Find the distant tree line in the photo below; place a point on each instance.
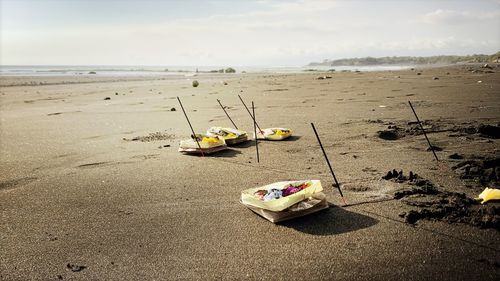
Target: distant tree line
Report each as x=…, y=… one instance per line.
x=406, y=60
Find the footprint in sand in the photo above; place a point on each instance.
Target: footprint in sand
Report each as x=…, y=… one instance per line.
x=10, y=184
x=89, y=165
x=146, y=156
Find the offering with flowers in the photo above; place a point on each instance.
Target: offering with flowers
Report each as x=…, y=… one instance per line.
x=280, y=195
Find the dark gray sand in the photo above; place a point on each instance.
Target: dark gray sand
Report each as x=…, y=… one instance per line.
x=94, y=189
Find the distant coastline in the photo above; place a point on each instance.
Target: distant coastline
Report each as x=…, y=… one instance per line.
x=407, y=60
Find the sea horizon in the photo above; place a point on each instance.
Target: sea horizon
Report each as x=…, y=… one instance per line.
x=153, y=70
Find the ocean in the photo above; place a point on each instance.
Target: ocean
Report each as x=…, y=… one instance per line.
x=112, y=70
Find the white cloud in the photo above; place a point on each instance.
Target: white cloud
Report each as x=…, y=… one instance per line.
x=285, y=33
x=458, y=17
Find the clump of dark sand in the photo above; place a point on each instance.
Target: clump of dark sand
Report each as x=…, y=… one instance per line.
x=419, y=185
x=75, y=267
x=482, y=172
x=489, y=131
x=157, y=136
x=434, y=204
x=453, y=207
x=456, y=156
x=412, y=128
x=400, y=130
x=481, y=130
x=389, y=135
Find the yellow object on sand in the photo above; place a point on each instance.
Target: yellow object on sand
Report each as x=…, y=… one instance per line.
x=230, y=135
x=274, y=134
x=489, y=194
x=211, y=140
x=208, y=144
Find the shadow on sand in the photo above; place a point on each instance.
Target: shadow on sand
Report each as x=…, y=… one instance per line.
x=289, y=139
x=226, y=153
x=245, y=144
x=292, y=138
x=334, y=220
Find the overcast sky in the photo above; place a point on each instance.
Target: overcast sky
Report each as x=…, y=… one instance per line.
x=240, y=33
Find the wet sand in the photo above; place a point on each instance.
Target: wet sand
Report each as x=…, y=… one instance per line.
x=94, y=188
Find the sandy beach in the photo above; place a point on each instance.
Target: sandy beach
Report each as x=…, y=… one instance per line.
x=92, y=186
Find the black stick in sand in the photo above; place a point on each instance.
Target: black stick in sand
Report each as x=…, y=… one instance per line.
x=328, y=162
x=422, y=127
x=227, y=114
x=255, y=132
x=250, y=114
x=194, y=134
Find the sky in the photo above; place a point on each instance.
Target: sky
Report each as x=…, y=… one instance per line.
x=240, y=33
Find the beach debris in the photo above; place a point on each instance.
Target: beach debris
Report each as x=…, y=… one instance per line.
x=202, y=144
x=194, y=137
x=487, y=66
x=156, y=136
x=92, y=72
x=75, y=268
x=479, y=82
x=173, y=109
x=286, y=200
x=116, y=94
x=435, y=78
x=323, y=77
x=231, y=136
x=107, y=98
x=274, y=134
x=195, y=83
x=419, y=73
x=489, y=194
x=272, y=196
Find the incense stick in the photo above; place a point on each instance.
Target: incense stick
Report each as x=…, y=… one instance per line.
x=255, y=132
x=422, y=127
x=194, y=134
x=250, y=114
x=227, y=114
x=328, y=162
